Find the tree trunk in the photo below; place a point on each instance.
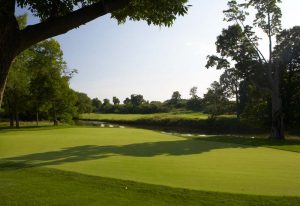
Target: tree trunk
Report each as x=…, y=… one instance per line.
x=37, y=118
x=11, y=120
x=55, y=121
x=277, y=132
x=17, y=120
x=237, y=102
x=9, y=41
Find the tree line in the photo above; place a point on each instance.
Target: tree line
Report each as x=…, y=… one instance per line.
x=136, y=104
x=266, y=87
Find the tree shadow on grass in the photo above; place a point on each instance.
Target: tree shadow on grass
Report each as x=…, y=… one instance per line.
x=93, y=152
x=291, y=145
x=187, y=146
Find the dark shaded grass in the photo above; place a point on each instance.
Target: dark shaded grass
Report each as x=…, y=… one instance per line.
x=292, y=145
x=42, y=186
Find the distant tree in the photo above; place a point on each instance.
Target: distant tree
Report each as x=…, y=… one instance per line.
x=116, y=101
x=136, y=99
x=96, y=103
x=107, y=107
x=84, y=103
x=195, y=102
x=58, y=17
x=230, y=82
x=127, y=101
x=193, y=92
x=215, y=100
x=106, y=102
x=175, y=99
x=63, y=102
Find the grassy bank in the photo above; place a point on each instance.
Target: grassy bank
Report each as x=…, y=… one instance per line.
x=134, y=117
x=181, y=122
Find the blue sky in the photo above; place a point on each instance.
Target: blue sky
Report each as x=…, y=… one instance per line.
x=134, y=58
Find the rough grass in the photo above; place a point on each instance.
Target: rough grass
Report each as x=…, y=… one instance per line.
x=155, y=158
x=5, y=124
x=133, y=117
x=42, y=186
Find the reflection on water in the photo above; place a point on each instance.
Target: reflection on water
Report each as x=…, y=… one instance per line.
x=184, y=135
x=97, y=124
x=102, y=124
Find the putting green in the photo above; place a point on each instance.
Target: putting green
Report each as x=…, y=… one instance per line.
x=152, y=157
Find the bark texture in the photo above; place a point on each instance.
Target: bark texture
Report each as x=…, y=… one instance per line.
x=8, y=40
x=277, y=110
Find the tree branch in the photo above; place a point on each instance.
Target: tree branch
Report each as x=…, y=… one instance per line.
x=59, y=25
x=259, y=53
x=7, y=7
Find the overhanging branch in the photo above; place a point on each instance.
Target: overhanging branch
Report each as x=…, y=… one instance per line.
x=59, y=25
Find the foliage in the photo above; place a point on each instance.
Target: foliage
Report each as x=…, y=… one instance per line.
x=84, y=103
x=159, y=12
x=268, y=19
x=116, y=100
x=136, y=100
x=97, y=104
x=38, y=84
x=215, y=100
x=287, y=52
x=17, y=91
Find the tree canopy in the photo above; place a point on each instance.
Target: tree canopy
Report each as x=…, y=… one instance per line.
x=60, y=16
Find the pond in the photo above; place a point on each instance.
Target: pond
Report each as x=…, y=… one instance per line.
x=97, y=124
x=102, y=124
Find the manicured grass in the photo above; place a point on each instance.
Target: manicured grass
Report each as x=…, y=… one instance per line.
x=155, y=158
x=291, y=144
x=42, y=186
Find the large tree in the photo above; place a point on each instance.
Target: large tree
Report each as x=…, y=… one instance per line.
x=238, y=57
x=287, y=52
x=267, y=17
x=60, y=16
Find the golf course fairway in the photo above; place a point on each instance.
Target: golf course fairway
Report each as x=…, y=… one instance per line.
x=155, y=158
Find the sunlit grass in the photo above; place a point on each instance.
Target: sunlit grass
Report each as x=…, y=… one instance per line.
x=42, y=186
x=133, y=117
x=155, y=158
